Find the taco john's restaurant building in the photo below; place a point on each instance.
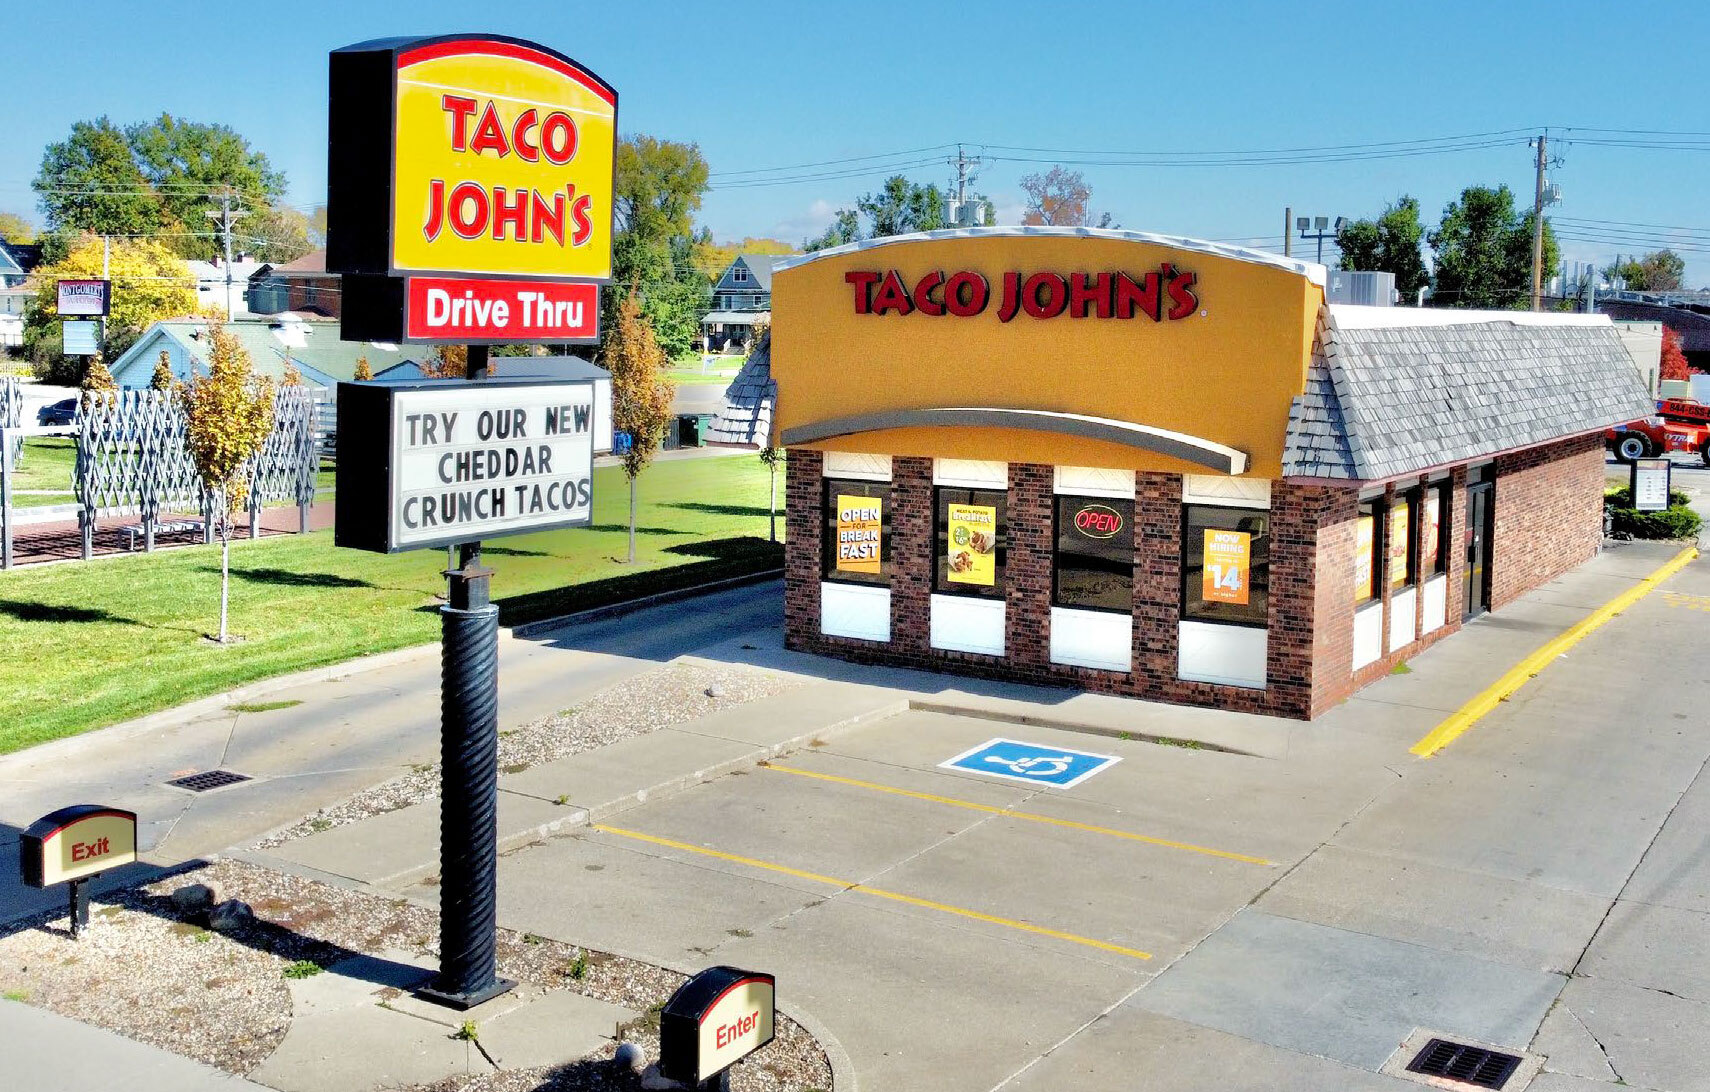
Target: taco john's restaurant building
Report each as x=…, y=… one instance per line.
x=1165, y=468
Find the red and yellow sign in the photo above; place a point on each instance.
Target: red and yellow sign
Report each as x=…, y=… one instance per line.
x=1399, y=516
x=458, y=309
x=76, y=842
x=1228, y=566
x=1432, y=531
x=859, y=534
x=1364, y=528
x=972, y=557
x=469, y=155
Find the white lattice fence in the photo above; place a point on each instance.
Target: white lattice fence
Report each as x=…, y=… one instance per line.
x=12, y=411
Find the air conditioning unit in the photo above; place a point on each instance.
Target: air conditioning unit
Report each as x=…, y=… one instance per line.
x=1367, y=288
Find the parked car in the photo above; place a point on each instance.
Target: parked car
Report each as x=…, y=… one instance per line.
x=63, y=412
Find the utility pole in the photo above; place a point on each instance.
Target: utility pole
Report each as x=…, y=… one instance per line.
x=964, y=165
x=1288, y=232
x=1538, y=226
x=225, y=218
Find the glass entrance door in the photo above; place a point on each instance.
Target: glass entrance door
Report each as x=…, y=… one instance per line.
x=1480, y=517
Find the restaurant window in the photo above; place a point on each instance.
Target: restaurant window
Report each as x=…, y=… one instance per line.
x=1402, y=542
x=1433, y=515
x=1094, y=567
x=857, y=532
x=973, y=542
x=1226, y=565
x=1366, y=552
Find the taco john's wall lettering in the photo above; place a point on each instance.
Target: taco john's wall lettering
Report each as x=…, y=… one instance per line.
x=1166, y=293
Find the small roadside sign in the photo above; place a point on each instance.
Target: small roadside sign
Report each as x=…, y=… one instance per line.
x=1650, y=484
x=1030, y=763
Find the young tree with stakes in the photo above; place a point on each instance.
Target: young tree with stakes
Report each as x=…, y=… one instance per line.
x=364, y=370
x=641, y=393
x=228, y=414
x=773, y=457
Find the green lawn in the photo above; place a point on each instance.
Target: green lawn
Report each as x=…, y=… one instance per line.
x=695, y=375
x=94, y=643
x=46, y=463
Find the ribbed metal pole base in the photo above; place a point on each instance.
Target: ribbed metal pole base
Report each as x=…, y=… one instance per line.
x=468, y=817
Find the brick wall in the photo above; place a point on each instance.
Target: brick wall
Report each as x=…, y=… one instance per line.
x=1549, y=515
x=803, y=511
x=1027, y=571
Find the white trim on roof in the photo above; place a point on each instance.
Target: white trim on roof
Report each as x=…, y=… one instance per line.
x=1350, y=316
x=1312, y=271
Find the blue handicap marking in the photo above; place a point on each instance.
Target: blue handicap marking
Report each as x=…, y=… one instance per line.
x=1032, y=763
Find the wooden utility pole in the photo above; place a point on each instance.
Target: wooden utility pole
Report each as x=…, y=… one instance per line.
x=1288, y=232
x=1538, y=226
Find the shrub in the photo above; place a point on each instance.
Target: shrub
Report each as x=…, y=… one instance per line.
x=1677, y=521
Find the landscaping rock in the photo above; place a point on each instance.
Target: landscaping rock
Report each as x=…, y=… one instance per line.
x=229, y=916
x=195, y=898
x=630, y=1058
x=653, y=1082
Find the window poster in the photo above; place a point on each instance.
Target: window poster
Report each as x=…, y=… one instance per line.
x=1228, y=564
x=859, y=539
x=973, y=544
x=1432, y=531
x=1363, y=558
x=1398, y=517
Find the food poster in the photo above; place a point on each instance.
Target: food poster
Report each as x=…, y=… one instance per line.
x=859, y=538
x=1398, y=517
x=1432, y=531
x=1363, y=558
x=1227, y=567
x=973, y=545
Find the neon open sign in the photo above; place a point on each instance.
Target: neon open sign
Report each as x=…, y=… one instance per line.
x=1098, y=521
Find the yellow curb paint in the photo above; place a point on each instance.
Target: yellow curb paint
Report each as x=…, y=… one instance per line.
x=1457, y=723
x=876, y=892
x=1009, y=814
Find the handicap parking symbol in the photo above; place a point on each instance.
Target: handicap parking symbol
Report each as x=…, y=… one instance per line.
x=1030, y=763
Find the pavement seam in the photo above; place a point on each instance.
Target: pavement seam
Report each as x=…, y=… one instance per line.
x=1601, y=1049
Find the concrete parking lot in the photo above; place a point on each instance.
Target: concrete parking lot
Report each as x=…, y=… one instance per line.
x=1196, y=918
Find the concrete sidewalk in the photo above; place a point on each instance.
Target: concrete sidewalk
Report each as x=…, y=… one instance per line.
x=46, y=1052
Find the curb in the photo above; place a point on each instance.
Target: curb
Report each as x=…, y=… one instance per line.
x=529, y=630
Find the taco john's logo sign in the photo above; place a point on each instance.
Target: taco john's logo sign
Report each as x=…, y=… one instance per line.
x=1166, y=293
x=469, y=155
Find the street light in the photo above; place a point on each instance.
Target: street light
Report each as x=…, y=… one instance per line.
x=1313, y=227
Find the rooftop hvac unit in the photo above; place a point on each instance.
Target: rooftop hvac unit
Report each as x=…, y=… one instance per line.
x=1369, y=289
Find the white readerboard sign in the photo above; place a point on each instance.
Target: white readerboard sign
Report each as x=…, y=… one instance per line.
x=471, y=462
x=1650, y=484
x=81, y=337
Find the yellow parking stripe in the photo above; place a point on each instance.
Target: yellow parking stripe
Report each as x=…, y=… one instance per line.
x=877, y=892
x=1499, y=691
x=1010, y=814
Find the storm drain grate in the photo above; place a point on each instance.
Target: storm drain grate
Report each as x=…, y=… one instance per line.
x=213, y=779
x=1469, y=1064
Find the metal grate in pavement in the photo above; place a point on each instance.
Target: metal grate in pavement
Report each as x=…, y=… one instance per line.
x=212, y=779
x=1476, y=1066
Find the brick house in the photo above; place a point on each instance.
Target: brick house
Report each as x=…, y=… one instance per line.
x=302, y=286
x=1167, y=469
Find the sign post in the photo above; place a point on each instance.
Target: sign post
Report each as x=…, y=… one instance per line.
x=74, y=845
x=469, y=201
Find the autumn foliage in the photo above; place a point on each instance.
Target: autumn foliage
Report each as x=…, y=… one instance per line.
x=1674, y=364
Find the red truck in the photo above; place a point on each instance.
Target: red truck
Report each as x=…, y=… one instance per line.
x=1680, y=424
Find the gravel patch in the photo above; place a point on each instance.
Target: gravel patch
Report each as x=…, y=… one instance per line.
x=148, y=971
x=674, y=694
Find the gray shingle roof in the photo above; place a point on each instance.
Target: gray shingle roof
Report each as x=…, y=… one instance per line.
x=746, y=415
x=1389, y=400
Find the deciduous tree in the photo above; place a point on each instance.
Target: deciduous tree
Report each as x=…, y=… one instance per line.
x=1484, y=251
x=641, y=393
x=150, y=283
x=1658, y=271
x=98, y=378
x=1674, y=364
x=16, y=230
x=1390, y=244
x=188, y=163
x=162, y=379
x=658, y=189
x=228, y=414
x=845, y=228
x=91, y=182
x=446, y=362
x=275, y=233
x=364, y=370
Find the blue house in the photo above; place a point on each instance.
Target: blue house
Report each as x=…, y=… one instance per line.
x=742, y=300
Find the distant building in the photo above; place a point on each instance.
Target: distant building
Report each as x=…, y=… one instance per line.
x=16, y=262
x=1690, y=321
x=211, y=284
x=314, y=347
x=742, y=300
x=302, y=285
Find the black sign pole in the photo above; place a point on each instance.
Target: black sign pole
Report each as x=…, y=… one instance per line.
x=469, y=778
x=79, y=907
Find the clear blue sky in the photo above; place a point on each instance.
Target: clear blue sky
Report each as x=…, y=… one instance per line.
x=762, y=85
